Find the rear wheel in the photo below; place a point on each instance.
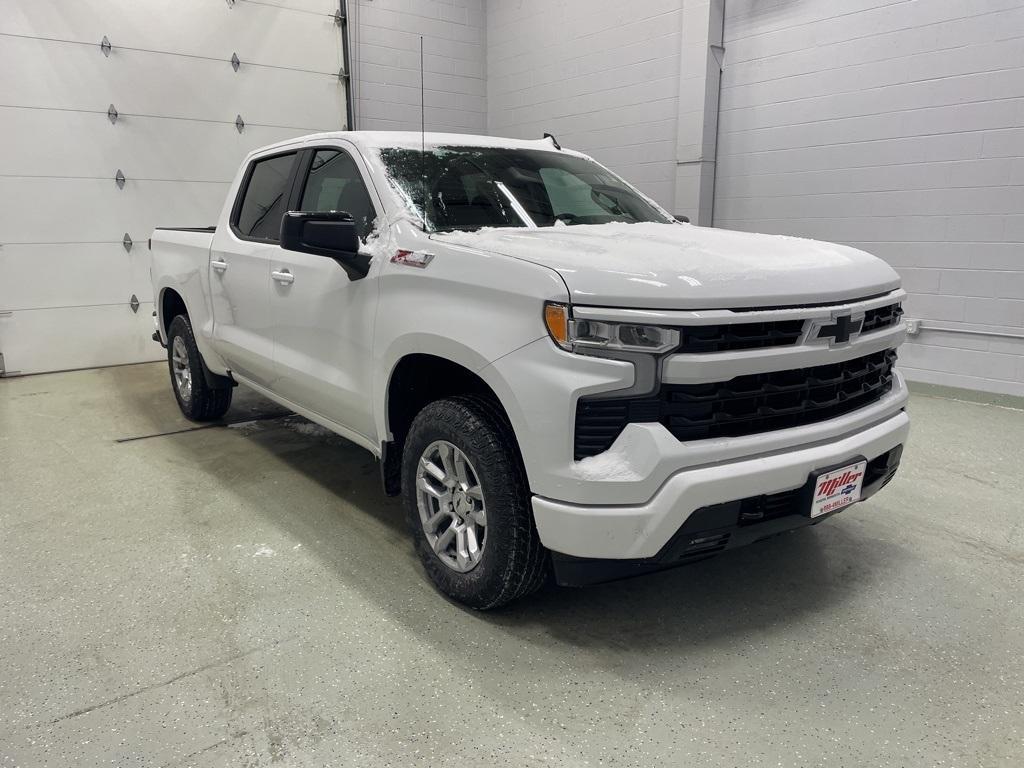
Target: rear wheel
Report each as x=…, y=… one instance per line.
x=197, y=399
x=468, y=505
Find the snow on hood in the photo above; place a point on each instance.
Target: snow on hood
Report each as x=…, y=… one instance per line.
x=674, y=266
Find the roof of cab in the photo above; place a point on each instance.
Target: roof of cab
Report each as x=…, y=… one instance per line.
x=414, y=140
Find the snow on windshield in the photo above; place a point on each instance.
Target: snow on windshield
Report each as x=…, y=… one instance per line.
x=469, y=188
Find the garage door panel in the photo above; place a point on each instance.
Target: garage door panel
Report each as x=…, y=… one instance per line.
x=66, y=280
x=48, y=276
x=144, y=147
x=79, y=78
x=139, y=272
x=80, y=337
x=259, y=33
x=95, y=210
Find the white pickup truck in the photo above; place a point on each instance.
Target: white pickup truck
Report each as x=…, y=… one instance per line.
x=555, y=373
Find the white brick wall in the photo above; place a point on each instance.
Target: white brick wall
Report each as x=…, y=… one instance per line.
x=386, y=64
x=895, y=127
x=891, y=125
x=601, y=75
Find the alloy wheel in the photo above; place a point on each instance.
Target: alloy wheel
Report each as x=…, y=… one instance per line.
x=182, y=369
x=451, y=506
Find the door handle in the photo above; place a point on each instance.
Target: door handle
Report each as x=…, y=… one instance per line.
x=284, y=276
x=219, y=265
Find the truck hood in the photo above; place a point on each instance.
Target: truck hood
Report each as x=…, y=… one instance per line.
x=668, y=266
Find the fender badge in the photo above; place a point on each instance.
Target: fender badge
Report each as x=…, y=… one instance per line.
x=417, y=259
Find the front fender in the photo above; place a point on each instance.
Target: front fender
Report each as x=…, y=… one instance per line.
x=428, y=343
x=467, y=307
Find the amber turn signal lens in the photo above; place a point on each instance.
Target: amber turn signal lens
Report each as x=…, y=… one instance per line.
x=556, y=318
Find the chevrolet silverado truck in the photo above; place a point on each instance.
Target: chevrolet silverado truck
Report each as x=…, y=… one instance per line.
x=557, y=375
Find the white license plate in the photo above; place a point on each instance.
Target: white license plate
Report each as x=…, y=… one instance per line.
x=837, y=489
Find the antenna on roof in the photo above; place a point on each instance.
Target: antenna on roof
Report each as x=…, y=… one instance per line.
x=423, y=145
x=553, y=140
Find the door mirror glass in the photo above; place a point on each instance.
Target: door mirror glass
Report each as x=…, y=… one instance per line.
x=325, y=233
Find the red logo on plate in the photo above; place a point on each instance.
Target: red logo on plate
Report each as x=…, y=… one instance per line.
x=828, y=487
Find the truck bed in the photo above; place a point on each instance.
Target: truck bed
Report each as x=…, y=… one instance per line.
x=181, y=258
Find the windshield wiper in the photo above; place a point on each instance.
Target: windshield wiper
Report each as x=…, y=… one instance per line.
x=460, y=228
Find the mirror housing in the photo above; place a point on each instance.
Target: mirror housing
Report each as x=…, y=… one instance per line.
x=325, y=233
x=682, y=218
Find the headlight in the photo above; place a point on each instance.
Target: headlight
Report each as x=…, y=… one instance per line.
x=583, y=335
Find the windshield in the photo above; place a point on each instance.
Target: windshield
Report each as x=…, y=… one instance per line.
x=468, y=188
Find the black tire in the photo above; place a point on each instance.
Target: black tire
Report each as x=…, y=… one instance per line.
x=513, y=562
x=203, y=402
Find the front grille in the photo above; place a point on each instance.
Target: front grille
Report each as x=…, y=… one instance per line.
x=727, y=338
x=882, y=317
x=745, y=405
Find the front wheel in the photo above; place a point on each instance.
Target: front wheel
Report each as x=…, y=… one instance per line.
x=468, y=505
x=197, y=399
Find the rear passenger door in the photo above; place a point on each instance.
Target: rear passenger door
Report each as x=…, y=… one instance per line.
x=240, y=259
x=322, y=319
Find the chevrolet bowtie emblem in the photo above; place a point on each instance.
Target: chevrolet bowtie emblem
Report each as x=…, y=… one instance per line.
x=842, y=330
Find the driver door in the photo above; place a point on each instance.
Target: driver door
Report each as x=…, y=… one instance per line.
x=323, y=320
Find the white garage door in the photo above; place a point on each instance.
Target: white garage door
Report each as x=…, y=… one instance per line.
x=897, y=127
x=73, y=293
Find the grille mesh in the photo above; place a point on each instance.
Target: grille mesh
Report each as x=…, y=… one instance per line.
x=727, y=338
x=883, y=317
x=745, y=405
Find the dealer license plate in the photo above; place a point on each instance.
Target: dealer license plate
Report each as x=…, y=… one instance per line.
x=837, y=489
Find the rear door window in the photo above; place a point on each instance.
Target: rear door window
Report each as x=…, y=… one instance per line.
x=265, y=198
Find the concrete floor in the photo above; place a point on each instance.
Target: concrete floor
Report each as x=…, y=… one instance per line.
x=247, y=596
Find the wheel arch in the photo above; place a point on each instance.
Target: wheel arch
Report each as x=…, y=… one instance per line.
x=415, y=380
x=171, y=304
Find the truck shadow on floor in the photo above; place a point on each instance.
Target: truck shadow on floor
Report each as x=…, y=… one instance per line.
x=740, y=593
x=357, y=530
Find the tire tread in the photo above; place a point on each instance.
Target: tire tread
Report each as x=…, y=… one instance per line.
x=207, y=403
x=479, y=418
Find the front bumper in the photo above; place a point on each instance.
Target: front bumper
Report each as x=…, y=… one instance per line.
x=716, y=528
x=642, y=531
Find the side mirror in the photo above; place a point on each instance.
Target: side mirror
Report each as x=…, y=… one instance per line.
x=325, y=233
x=684, y=219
